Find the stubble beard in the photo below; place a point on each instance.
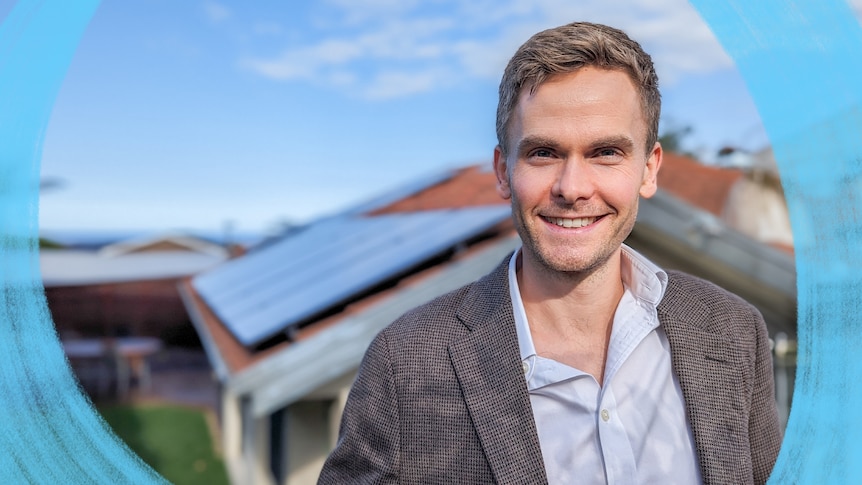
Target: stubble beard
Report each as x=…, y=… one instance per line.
x=567, y=267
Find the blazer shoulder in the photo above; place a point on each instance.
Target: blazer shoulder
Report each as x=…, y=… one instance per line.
x=443, y=307
x=683, y=286
x=694, y=299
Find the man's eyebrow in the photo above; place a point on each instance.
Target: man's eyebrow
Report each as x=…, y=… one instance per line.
x=530, y=142
x=622, y=142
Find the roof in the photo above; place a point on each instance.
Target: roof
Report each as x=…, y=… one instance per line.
x=468, y=187
x=255, y=306
x=61, y=267
x=164, y=243
x=338, y=259
x=700, y=185
x=231, y=360
x=417, y=186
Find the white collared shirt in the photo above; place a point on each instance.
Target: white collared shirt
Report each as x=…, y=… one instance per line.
x=632, y=430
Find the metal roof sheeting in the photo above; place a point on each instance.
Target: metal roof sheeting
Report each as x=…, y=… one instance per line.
x=264, y=293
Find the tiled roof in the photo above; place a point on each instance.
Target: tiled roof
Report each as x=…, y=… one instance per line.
x=471, y=186
x=700, y=185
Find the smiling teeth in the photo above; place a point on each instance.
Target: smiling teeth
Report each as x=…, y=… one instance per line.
x=585, y=221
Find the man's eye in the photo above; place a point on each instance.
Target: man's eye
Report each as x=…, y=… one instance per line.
x=542, y=153
x=608, y=152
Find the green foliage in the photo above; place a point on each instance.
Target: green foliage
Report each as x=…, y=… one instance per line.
x=673, y=137
x=49, y=244
x=174, y=440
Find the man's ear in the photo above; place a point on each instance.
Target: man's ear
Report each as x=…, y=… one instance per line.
x=649, y=186
x=501, y=170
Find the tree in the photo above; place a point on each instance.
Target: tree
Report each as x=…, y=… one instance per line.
x=672, y=139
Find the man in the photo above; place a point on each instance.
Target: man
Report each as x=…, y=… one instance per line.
x=577, y=360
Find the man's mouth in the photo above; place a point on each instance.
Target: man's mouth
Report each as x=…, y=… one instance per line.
x=571, y=222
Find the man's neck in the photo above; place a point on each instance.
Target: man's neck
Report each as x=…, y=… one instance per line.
x=571, y=315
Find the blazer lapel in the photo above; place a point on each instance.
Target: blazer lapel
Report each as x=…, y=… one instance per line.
x=708, y=366
x=488, y=365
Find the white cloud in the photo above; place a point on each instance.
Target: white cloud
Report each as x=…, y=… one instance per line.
x=306, y=62
x=389, y=48
x=216, y=12
x=395, y=84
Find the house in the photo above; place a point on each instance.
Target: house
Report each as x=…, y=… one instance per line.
x=285, y=326
x=125, y=288
x=756, y=205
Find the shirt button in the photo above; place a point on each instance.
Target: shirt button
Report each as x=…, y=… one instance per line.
x=526, y=367
x=605, y=415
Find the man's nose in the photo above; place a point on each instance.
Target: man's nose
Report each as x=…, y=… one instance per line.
x=574, y=181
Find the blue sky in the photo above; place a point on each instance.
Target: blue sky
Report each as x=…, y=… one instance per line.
x=186, y=115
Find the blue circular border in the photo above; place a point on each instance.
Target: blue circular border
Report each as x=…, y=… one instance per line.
x=49, y=431
x=802, y=63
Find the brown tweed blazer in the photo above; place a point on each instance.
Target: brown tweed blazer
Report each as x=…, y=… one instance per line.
x=440, y=397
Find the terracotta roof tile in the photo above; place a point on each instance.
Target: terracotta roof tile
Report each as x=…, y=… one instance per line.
x=787, y=248
x=700, y=185
x=471, y=186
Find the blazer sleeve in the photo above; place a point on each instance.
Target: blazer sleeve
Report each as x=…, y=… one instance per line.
x=368, y=445
x=764, y=430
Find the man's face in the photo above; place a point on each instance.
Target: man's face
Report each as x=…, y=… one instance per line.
x=576, y=164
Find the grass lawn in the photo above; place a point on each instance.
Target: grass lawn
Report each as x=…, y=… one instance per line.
x=174, y=440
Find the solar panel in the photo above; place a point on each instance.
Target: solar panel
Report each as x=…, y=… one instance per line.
x=265, y=292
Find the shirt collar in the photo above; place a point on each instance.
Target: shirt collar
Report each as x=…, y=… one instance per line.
x=646, y=282
x=642, y=277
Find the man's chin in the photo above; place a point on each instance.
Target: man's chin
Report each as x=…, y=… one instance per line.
x=571, y=264
x=567, y=265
